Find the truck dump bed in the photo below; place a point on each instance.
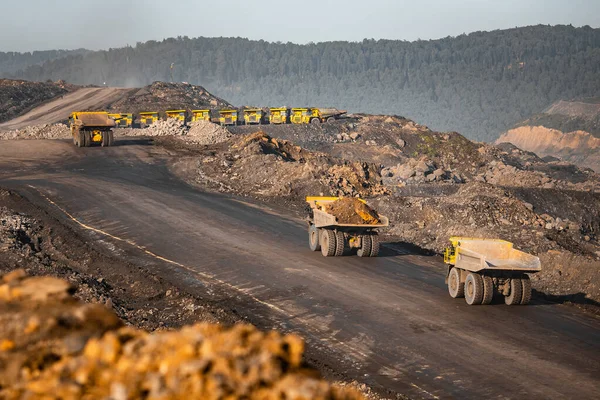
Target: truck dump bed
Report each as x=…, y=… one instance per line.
x=473, y=254
x=324, y=220
x=93, y=119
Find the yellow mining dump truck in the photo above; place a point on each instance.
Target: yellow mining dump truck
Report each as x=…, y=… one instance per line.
x=200, y=115
x=318, y=115
x=333, y=238
x=228, y=117
x=253, y=116
x=278, y=115
x=300, y=116
x=147, y=118
x=177, y=114
x=88, y=128
x=122, y=120
x=477, y=268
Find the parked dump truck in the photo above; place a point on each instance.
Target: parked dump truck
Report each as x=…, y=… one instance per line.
x=253, y=116
x=200, y=115
x=300, y=115
x=228, y=117
x=90, y=127
x=478, y=268
x=180, y=115
x=147, y=118
x=334, y=238
x=278, y=115
x=318, y=115
x=122, y=120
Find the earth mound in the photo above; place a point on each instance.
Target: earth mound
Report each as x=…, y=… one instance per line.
x=54, y=347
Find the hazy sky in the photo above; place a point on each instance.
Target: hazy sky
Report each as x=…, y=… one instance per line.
x=44, y=24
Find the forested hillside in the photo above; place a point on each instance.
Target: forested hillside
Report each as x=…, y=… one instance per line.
x=478, y=84
x=11, y=62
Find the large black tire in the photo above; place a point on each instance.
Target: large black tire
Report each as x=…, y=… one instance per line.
x=516, y=292
x=526, y=289
x=340, y=244
x=111, y=138
x=365, y=248
x=488, y=289
x=455, y=287
x=105, y=139
x=313, y=238
x=473, y=289
x=330, y=119
x=87, y=139
x=81, y=139
x=327, y=242
x=315, y=121
x=374, y=245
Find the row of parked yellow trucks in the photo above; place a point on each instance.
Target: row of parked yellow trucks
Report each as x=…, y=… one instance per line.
x=230, y=117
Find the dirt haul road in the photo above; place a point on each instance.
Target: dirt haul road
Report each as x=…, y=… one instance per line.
x=387, y=321
x=59, y=109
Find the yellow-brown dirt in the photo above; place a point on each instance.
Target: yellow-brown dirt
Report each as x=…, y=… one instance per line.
x=350, y=210
x=54, y=347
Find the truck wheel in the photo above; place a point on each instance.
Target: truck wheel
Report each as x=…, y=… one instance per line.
x=81, y=139
x=313, y=238
x=374, y=245
x=340, y=244
x=526, y=289
x=105, y=139
x=315, y=121
x=327, y=242
x=365, y=246
x=488, y=289
x=111, y=138
x=455, y=287
x=473, y=289
x=87, y=139
x=330, y=119
x=516, y=292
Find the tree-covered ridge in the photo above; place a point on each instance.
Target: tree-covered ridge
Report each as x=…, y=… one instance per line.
x=478, y=84
x=11, y=62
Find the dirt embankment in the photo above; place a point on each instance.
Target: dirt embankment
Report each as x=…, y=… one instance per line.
x=578, y=147
x=55, y=347
x=18, y=97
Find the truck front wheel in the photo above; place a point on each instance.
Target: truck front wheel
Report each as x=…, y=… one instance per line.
x=455, y=287
x=473, y=289
x=313, y=238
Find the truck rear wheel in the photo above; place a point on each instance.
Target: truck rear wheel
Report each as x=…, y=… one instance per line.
x=473, y=289
x=526, y=289
x=340, y=244
x=374, y=245
x=313, y=238
x=315, y=121
x=81, y=139
x=111, y=138
x=455, y=287
x=488, y=289
x=330, y=119
x=365, y=246
x=516, y=292
x=327, y=242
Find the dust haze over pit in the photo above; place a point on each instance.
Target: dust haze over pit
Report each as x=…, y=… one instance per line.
x=70, y=24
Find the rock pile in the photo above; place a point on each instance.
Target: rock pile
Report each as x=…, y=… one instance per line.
x=168, y=127
x=350, y=210
x=53, y=347
x=53, y=131
x=206, y=133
